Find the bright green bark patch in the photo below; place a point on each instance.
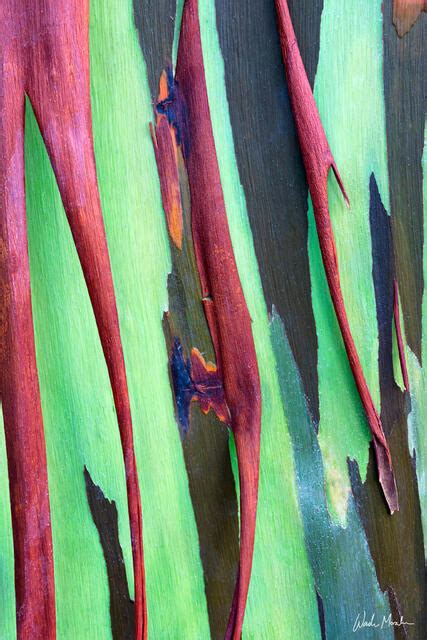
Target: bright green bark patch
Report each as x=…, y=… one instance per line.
x=350, y=64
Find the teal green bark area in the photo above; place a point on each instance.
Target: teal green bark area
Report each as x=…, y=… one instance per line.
x=417, y=419
x=342, y=566
x=281, y=602
x=356, y=132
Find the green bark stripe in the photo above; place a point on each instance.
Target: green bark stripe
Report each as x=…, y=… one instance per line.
x=141, y=261
x=77, y=403
x=350, y=64
x=281, y=593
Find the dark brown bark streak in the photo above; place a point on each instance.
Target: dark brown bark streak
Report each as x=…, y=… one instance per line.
x=45, y=54
x=384, y=275
x=187, y=109
x=396, y=544
x=105, y=517
x=269, y=162
x=155, y=23
x=405, y=90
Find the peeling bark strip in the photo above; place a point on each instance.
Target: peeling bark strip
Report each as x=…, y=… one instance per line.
x=165, y=151
x=318, y=160
x=45, y=54
x=187, y=109
x=406, y=13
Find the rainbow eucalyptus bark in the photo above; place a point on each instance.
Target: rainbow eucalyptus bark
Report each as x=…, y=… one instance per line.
x=187, y=109
x=318, y=160
x=44, y=49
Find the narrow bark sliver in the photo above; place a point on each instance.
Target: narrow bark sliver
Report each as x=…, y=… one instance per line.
x=186, y=108
x=318, y=161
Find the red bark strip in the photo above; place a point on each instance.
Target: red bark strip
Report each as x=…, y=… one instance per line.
x=187, y=108
x=19, y=390
x=400, y=345
x=45, y=54
x=165, y=151
x=318, y=160
x=406, y=13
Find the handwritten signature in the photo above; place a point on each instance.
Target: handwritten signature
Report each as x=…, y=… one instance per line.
x=363, y=622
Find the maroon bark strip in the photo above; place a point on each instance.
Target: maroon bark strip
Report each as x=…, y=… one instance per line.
x=165, y=151
x=406, y=13
x=45, y=53
x=400, y=345
x=318, y=160
x=225, y=307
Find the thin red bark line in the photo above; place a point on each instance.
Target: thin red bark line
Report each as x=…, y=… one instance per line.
x=27, y=468
x=49, y=60
x=400, y=345
x=318, y=160
x=222, y=295
x=19, y=387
